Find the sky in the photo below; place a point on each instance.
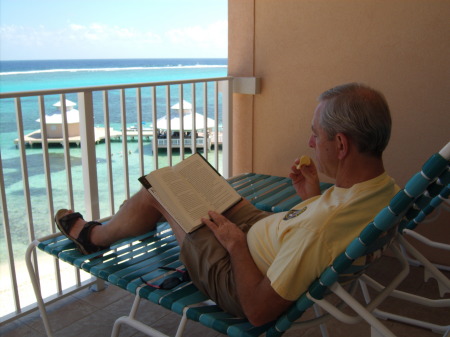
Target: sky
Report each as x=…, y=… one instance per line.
x=98, y=29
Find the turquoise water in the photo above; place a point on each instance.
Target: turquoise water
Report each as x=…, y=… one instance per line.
x=39, y=75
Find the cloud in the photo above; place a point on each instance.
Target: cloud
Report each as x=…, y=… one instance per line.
x=104, y=40
x=108, y=33
x=75, y=27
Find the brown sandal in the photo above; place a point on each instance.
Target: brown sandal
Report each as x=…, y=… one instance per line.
x=65, y=223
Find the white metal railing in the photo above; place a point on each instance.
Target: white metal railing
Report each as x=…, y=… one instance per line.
x=91, y=172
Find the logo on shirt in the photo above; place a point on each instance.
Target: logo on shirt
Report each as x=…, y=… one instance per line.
x=293, y=213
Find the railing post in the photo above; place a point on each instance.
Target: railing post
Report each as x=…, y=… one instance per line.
x=226, y=87
x=88, y=156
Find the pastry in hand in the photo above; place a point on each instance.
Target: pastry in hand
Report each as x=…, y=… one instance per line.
x=304, y=160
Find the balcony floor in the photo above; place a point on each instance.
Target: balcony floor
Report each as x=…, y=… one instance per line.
x=93, y=313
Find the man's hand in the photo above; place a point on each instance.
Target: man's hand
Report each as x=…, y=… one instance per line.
x=226, y=232
x=260, y=302
x=305, y=180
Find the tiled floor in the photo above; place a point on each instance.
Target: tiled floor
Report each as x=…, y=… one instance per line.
x=93, y=313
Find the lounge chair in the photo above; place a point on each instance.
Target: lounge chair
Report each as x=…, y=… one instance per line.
x=129, y=260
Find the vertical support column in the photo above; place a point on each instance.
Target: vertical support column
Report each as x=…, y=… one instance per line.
x=109, y=174
x=169, y=126
x=205, y=120
x=155, y=131
x=87, y=134
x=123, y=114
x=139, y=130
x=181, y=116
x=216, y=124
x=8, y=241
x=242, y=62
x=226, y=87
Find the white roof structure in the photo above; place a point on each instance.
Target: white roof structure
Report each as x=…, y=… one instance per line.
x=186, y=106
x=73, y=117
x=69, y=104
x=161, y=123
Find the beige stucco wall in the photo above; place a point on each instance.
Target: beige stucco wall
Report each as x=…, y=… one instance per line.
x=300, y=48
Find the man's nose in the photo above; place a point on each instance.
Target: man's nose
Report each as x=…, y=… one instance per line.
x=311, y=142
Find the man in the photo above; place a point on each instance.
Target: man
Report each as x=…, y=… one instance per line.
x=254, y=263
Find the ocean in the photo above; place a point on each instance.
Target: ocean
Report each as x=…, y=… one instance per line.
x=51, y=74
x=55, y=74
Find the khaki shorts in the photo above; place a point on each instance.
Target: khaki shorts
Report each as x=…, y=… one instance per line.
x=209, y=264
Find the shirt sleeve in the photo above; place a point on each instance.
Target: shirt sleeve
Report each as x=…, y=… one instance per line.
x=299, y=261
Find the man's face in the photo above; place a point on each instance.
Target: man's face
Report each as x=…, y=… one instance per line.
x=325, y=149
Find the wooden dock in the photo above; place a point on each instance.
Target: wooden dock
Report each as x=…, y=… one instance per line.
x=134, y=133
x=35, y=137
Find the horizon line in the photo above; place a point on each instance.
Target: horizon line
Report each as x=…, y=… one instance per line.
x=120, y=58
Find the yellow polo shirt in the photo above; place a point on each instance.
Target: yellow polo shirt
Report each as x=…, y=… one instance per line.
x=292, y=248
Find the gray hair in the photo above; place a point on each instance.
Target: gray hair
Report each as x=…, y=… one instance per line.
x=359, y=112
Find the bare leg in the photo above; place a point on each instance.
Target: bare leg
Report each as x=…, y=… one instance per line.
x=137, y=216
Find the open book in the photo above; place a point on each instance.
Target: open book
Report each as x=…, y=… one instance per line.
x=189, y=189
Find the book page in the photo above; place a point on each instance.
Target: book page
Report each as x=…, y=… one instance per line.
x=191, y=203
x=206, y=181
x=189, y=190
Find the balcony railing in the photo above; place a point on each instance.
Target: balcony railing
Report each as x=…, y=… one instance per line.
x=91, y=164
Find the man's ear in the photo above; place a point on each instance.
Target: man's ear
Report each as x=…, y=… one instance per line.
x=343, y=144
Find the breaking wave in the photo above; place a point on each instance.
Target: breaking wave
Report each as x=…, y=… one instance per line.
x=198, y=66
